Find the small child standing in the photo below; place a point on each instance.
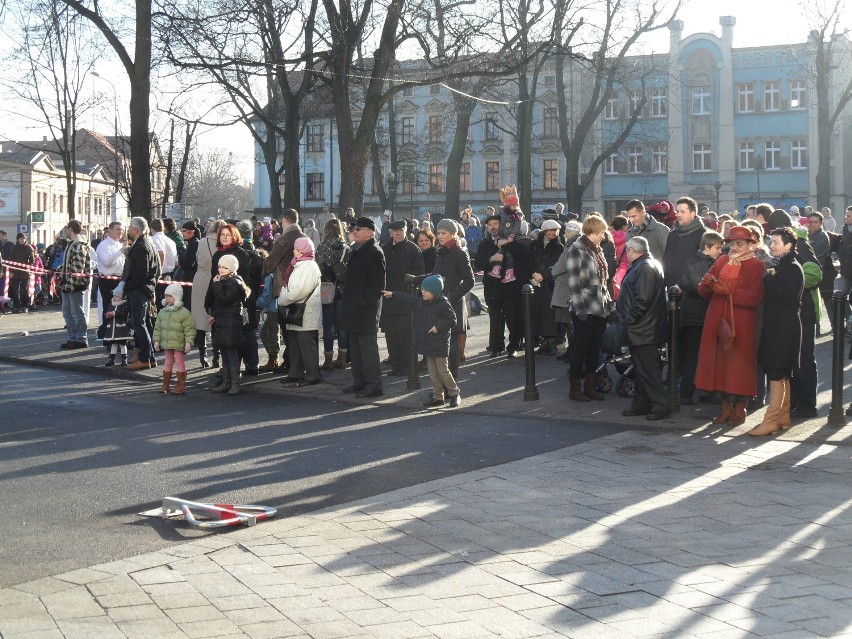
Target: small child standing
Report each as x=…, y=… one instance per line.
x=115, y=332
x=225, y=302
x=174, y=331
x=433, y=319
x=511, y=219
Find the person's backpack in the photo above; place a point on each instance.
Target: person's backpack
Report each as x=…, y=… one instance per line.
x=266, y=301
x=58, y=256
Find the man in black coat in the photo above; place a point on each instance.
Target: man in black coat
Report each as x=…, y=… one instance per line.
x=684, y=241
x=362, y=305
x=641, y=310
x=492, y=287
x=402, y=256
x=139, y=280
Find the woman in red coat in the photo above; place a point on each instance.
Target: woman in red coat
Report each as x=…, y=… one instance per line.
x=730, y=370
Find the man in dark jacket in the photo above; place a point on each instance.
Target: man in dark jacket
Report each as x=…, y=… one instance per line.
x=402, y=256
x=22, y=253
x=499, y=313
x=645, y=225
x=641, y=309
x=684, y=241
x=362, y=305
x=138, y=281
x=844, y=282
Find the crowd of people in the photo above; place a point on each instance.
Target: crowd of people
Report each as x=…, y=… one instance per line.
x=749, y=293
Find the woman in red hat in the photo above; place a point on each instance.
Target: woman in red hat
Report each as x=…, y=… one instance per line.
x=727, y=360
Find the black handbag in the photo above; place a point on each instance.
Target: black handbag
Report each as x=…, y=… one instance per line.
x=296, y=314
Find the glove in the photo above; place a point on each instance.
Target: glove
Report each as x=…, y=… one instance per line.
x=721, y=289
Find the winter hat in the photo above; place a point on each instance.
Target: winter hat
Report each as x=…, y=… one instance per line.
x=176, y=291
x=509, y=195
x=447, y=225
x=573, y=226
x=229, y=262
x=304, y=245
x=21, y=235
x=778, y=218
x=434, y=284
x=550, y=225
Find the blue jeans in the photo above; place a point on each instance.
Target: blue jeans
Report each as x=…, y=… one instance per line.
x=75, y=316
x=331, y=325
x=138, y=302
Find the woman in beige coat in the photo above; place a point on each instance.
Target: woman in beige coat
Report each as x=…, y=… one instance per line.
x=200, y=284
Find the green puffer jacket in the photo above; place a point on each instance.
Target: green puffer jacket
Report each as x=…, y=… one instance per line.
x=174, y=328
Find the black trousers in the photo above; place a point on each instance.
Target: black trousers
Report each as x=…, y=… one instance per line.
x=105, y=287
x=691, y=341
x=304, y=355
x=586, y=346
x=805, y=378
x=364, y=356
x=398, y=338
x=650, y=392
x=505, y=312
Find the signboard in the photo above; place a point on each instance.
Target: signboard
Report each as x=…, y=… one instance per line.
x=37, y=217
x=24, y=228
x=10, y=201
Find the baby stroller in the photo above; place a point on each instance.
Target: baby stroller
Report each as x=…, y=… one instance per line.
x=616, y=353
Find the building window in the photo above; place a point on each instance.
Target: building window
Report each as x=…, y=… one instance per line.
x=464, y=177
x=407, y=130
x=435, y=89
x=635, y=97
x=492, y=176
x=436, y=178
x=436, y=128
x=315, y=186
x=550, y=122
x=551, y=174
x=799, y=154
x=745, y=156
x=798, y=94
x=701, y=101
x=772, y=156
x=408, y=92
x=406, y=179
x=771, y=96
x=611, y=109
x=660, y=158
x=611, y=165
x=315, y=137
x=491, y=130
x=634, y=159
x=659, y=103
x=745, y=97
x=702, y=158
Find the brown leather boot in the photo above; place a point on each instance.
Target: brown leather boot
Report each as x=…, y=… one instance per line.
x=167, y=380
x=340, y=362
x=738, y=413
x=180, y=387
x=328, y=364
x=769, y=425
x=784, y=414
x=577, y=393
x=725, y=415
x=590, y=387
x=270, y=366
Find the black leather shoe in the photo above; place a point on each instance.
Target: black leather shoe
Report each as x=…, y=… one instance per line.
x=308, y=382
x=510, y=353
x=373, y=392
x=396, y=372
x=353, y=389
x=496, y=353
x=801, y=412
x=633, y=412
x=653, y=417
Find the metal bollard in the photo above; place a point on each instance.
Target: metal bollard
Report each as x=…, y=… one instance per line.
x=413, y=373
x=674, y=395
x=530, y=390
x=835, y=415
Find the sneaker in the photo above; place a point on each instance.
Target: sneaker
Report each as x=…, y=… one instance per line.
x=454, y=400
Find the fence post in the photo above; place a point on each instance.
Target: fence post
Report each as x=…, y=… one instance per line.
x=835, y=415
x=674, y=394
x=530, y=390
x=413, y=382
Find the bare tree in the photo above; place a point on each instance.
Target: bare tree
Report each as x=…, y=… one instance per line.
x=213, y=186
x=56, y=53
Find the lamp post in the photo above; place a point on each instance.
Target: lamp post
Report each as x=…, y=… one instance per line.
x=115, y=145
x=390, y=179
x=758, y=161
x=718, y=186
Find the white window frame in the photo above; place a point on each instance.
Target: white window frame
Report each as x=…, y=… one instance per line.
x=634, y=97
x=659, y=102
x=772, y=155
x=701, y=100
x=799, y=155
x=634, y=160
x=745, y=97
x=611, y=109
x=798, y=94
x=771, y=96
x=702, y=158
x=407, y=130
x=745, y=156
x=611, y=164
x=660, y=158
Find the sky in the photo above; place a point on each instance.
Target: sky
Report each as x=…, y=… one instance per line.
x=759, y=22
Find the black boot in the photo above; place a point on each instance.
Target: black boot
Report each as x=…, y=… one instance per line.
x=201, y=342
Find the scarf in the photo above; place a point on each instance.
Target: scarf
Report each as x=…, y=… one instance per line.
x=304, y=257
x=776, y=259
x=738, y=258
x=224, y=247
x=600, y=262
x=691, y=227
x=450, y=245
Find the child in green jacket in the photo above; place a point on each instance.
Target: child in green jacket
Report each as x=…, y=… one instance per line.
x=174, y=332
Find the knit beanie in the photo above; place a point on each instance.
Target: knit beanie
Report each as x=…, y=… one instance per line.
x=176, y=291
x=447, y=225
x=229, y=262
x=779, y=218
x=304, y=246
x=434, y=283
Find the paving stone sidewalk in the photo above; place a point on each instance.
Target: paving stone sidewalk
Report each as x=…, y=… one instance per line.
x=632, y=535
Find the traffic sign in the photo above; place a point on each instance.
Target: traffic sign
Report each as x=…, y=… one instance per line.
x=24, y=228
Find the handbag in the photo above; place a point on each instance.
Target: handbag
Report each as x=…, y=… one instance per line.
x=296, y=314
x=327, y=290
x=726, y=331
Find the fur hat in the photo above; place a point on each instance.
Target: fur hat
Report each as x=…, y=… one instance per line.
x=509, y=195
x=434, y=284
x=229, y=262
x=176, y=291
x=550, y=225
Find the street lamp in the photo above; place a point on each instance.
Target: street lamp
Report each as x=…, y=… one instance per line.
x=115, y=144
x=390, y=179
x=718, y=186
x=758, y=162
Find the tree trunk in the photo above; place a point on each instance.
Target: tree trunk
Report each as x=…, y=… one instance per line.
x=464, y=111
x=523, y=126
x=184, y=163
x=167, y=185
x=140, y=112
x=290, y=160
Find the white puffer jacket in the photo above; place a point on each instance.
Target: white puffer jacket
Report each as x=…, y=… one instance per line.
x=304, y=286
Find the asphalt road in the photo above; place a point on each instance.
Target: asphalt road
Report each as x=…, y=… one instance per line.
x=81, y=455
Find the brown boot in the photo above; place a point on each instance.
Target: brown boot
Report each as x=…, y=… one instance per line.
x=328, y=364
x=340, y=362
x=180, y=387
x=769, y=425
x=577, y=393
x=590, y=387
x=725, y=415
x=167, y=380
x=784, y=414
x=738, y=413
x=270, y=366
